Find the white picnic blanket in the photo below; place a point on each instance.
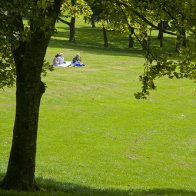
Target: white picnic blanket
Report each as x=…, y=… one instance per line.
x=65, y=64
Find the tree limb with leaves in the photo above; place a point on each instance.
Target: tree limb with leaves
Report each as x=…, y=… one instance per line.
x=144, y=16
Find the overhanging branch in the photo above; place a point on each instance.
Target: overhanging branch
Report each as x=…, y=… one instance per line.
x=64, y=21
x=144, y=18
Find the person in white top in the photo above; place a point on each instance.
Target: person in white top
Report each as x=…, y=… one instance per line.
x=59, y=61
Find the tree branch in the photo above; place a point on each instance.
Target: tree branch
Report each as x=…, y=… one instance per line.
x=143, y=18
x=64, y=21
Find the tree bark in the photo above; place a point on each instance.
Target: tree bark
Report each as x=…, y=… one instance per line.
x=93, y=23
x=72, y=30
x=145, y=42
x=183, y=33
x=160, y=35
x=181, y=39
x=71, y=25
x=105, y=37
x=177, y=43
x=29, y=59
x=21, y=167
x=29, y=90
x=131, y=40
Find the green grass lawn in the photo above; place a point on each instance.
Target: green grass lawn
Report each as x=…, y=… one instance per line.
x=95, y=138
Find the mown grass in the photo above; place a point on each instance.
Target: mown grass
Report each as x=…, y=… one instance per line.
x=95, y=138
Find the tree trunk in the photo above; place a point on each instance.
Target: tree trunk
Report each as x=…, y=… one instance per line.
x=105, y=37
x=72, y=30
x=178, y=43
x=145, y=42
x=183, y=33
x=29, y=89
x=93, y=23
x=21, y=167
x=29, y=59
x=160, y=35
x=131, y=40
x=181, y=39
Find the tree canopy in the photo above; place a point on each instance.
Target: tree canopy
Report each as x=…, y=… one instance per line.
x=145, y=16
x=26, y=28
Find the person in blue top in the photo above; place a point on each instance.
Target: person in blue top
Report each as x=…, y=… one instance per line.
x=77, y=61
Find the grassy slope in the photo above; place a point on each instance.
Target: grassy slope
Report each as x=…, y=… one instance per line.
x=93, y=134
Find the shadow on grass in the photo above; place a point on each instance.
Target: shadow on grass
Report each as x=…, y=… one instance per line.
x=63, y=45
x=52, y=187
x=89, y=39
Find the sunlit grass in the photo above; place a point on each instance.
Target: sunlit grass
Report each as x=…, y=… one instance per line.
x=96, y=138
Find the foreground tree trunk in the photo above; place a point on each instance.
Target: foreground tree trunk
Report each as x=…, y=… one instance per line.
x=21, y=167
x=29, y=59
x=29, y=89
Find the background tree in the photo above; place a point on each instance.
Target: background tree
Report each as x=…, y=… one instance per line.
x=22, y=55
x=73, y=9
x=100, y=17
x=95, y=13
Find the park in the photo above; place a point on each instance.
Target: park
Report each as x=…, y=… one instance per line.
x=92, y=131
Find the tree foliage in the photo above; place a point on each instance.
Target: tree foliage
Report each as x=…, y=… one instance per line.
x=76, y=8
x=145, y=16
x=182, y=17
x=16, y=29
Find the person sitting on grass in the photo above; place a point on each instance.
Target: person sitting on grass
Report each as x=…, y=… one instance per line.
x=77, y=61
x=59, y=61
x=56, y=60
